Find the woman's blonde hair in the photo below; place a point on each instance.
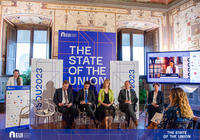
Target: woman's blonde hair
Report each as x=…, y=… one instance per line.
x=104, y=83
x=179, y=97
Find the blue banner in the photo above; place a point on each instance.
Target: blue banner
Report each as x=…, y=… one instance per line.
x=99, y=134
x=86, y=56
x=17, y=87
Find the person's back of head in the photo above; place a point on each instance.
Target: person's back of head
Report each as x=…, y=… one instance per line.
x=179, y=98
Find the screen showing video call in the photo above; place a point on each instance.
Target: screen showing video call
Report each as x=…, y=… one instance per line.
x=173, y=67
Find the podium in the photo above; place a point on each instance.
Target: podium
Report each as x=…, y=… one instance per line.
x=17, y=106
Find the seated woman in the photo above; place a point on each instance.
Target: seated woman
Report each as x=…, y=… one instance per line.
x=179, y=113
x=172, y=68
x=15, y=80
x=105, y=110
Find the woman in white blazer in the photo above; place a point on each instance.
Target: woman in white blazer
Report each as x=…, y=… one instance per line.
x=172, y=68
x=16, y=80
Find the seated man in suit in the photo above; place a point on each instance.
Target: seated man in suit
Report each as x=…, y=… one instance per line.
x=86, y=100
x=155, y=102
x=63, y=98
x=127, y=100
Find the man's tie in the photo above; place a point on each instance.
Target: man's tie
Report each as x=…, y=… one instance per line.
x=66, y=98
x=128, y=95
x=86, y=96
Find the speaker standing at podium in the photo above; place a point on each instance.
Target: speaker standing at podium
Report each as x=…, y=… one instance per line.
x=16, y=80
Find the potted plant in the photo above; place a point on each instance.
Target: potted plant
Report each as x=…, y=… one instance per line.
x=26, y=76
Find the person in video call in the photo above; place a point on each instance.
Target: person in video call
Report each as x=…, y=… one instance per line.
x=179, y=114
x=105, y=110
x=127, y=101
x=172, y=68
x=86, y=100
x=15, y=80
x=155, y=102
x=63, y=98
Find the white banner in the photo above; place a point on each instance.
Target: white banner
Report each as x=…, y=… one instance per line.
x=46, y=77
x=17, y=106
x=120, y=71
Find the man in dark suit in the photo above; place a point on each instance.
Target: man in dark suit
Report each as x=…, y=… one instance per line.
x=86, y=100
x=63, y=98
x=127, y=100
x=155, y=102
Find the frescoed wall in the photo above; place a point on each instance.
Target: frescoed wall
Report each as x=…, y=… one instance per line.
x=74, y=17
x=184, y=23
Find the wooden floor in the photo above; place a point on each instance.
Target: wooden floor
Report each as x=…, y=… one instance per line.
x=61, y=124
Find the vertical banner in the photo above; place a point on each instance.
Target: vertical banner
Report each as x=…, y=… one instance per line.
x=46, y=76
x=86, y=56
x=17, y=105
x=120, y=71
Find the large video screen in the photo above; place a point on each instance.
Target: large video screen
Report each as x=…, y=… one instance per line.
x=173, y=67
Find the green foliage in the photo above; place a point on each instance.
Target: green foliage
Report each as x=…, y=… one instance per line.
x=26, y=76
x=142, y=97
x=142, y=93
